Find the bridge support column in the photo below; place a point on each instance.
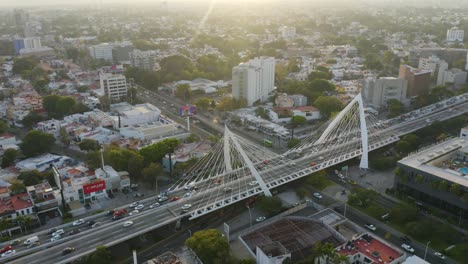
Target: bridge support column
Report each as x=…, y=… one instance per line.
x=364, y=137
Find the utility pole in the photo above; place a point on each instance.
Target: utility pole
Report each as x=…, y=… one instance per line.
x=425, y=251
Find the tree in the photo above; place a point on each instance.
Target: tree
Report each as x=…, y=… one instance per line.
x=321, y=85
x=3, y=126
x=184, y=92
x=314, y=75
x=293, y=142
x=24, y=221
x=64, y=138
x=72, y=53
x=88, y=144
x=5, y=223
x=327, y=105
x=361, y=197
x=58, y=106
x=93, y=159
x=102, y=255
x=229, y=104
x=17, y=187
x=31, y=119
x=36, y=142
x=404, y=213
x=9, y=157
x=443, y=185
x=403, y=147
x=298, y=120
x=151, y=174
x=455, y=188
x=22, y=64
x=210, y=245
x=262, y=112
x=395, y=108
x=156, y=151
x=203, y=103
x=31, y=177
x=269, y=205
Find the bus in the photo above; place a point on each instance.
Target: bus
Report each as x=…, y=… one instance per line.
x=267, y=143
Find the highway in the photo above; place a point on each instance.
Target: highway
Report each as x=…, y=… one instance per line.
x=211, y=196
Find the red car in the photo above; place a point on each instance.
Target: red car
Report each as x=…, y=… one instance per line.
x=5, y=249
x=173, y=199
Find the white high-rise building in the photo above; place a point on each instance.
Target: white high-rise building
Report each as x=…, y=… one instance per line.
x=377, y=92
x=101, y=51
x=432, y=64
x=254, y=80
x=114, y=86
x=455, y=34
x=32, y=43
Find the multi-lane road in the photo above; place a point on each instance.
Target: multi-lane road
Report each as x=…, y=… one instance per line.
x=206, y=200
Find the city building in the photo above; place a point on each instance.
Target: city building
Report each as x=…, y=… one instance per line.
x=114, y=181
x=287, y=32
x=449, y=55
x=43, y=197
x=114, y=86
x=284, y=114
x=433, y=64
x=455, y=35
x=146, y=60
x=8, y=141
x=121, y=51
x=454, y=77
x=254, y=80
x=299, y=99
x=40, y=52
x=419, y=81
x=437, y=175
x=283, y=100
x=377, y=92
x=127, y=115
x=101, y=51
x=43, y=162
x=26, y=43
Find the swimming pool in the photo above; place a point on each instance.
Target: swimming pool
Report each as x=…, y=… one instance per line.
x=463, y=170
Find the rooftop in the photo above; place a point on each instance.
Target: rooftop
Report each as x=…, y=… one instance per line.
x=21, y=201
x=372, y=248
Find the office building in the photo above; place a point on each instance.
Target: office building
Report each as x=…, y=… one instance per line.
x=449, y=55
x=419, y=81
x=455, y=77
x=121, y=52
x=101, y=51
x=114, y=86
x=254, y=80
x=437, y=176
x=143, y=59
x=299, y=99
x=26, y=43
x=455, y=34
x=377, y=92
x=433, y=64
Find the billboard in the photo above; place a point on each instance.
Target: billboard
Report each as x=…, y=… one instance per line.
x=187, y=110
x=94, y=187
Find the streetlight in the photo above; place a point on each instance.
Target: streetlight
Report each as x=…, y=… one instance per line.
x=250, y=216
x=425, y=251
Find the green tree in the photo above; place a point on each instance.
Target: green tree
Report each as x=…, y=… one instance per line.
x=151, y=174
x=24, y=221
x=269, y=205
x=88, y=144
x=210, y=245
x=22, y=64
x=404, y=213
x=184, y=92
x=298, y=120
x=262, y=112
x=64, y=137
x=302, y=192
x=156, y=151
x=17, y=187
x=102, y=255
x=321, y=85
x=395, y=108
x=464, y=197
x=327, y=105
x=31, y=119
x=403, y=147
x=31, y=177
x=5, y=223
x=36, y=142
x=72, y=53
x=203, y=103
x=64, y=106
x=455, y=188
x=3, y=126
x=293, y=142
x=361, y=197
x=93, y=159
x=314, y=75
x=9, y=157
x=443, y=185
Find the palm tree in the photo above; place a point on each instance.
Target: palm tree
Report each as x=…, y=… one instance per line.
x=339, y=259
x=5, y=223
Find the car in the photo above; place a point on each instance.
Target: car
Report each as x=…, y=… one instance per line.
x=110, y=212
x=58, y=232
x=408, y=248
x=95, y=225
x=55, y=238
x=260, y=219
x=117, y=217
x=8, y=253
x=154, y=205
x=227, y=189
x=292, y=163
x=187, y=195
x=15, y=242
x=90, y=223
x=5, y=249
x=439, y=255
x=128, y=223
x=318, y=195
x=175, y=198
x=371, y=227
x=163, y=199
x=135, y=204
x=313, y=163
x=74, y=231
x=35, y=244
x=352, y=182
x=140, y=207
x=186, y=206
x=134, y=212
x=51, y=231
x=253, y=183
x=68, y=250
x=406, y=239
x=340, y=176
x=78, y=222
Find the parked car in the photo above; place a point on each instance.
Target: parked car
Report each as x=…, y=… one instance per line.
x=408, y=248
x=128, y=223
x=68, y=250
x=371, y=227
x=78, y=222
x=260, y=219
x=318, y=195
x=439, y=255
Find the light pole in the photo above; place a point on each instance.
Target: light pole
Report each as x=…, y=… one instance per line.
x=345, y=207
x=425, y=251
x=250, y=216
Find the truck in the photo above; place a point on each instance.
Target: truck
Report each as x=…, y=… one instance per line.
x=31, y=240
x=119, y=214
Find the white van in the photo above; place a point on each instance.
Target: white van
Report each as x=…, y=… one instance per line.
x=31, y=240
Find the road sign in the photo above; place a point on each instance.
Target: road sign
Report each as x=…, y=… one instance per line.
x=344, y=168
x=187, y=110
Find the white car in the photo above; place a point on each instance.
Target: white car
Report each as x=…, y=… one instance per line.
x=55, y=238
x=134, y=212
x=371, y=227
x=227, y=189
x=154, y=205
x=186, y=206
x=95, y=225
x=8, y=253
x=340, y=176
x=260, y=219
x=439, y=255
x=187, y=195
x=318, y=195
x=139, y=207
x=128, y=223
x=58, y=232
x=78, y=222
x=135, y=204
x=162, y=199
x=253, y=183
x=292, y=163
x=408, y=248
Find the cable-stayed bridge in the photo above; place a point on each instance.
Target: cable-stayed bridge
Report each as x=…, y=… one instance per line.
x=236, y=169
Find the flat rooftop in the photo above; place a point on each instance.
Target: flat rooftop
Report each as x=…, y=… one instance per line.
x=371, y=247
x=423, y=158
